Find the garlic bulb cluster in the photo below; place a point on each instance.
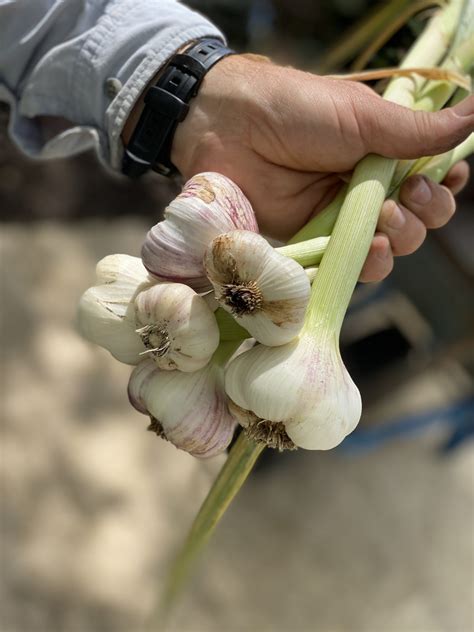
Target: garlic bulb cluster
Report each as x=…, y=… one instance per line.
x=210, y=204
x=188, y=409
x=148, y=313
x=266, y=292
x=296, y=395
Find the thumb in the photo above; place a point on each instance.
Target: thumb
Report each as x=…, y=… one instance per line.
x=398, y=132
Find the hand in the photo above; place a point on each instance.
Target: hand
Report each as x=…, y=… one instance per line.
x=402, y=227
x=286, y=137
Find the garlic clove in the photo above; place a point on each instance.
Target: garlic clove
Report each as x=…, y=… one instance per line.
x=302, y=388
x=266, y=292
x=210, y=204
x=106, y=315
x=112, y=331
x=188, y=409
x=210, y=299
x=138, y=383
x=176, y=326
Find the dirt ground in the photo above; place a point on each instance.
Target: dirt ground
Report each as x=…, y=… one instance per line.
x=93, y=506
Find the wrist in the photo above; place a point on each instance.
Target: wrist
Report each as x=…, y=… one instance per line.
x=137, y=109
x=222, y=106
x=150, y=130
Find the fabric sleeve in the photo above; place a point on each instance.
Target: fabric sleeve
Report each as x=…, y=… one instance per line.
x=86, y=63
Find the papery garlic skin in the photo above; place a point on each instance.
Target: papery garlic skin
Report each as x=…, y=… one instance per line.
x=188, y=409
x=138, y=382
x=106, y=314
x=176, y=326
x=132, y=316
x=266, y=292
x=210, y=204
x=210, y=299
x=303, y=385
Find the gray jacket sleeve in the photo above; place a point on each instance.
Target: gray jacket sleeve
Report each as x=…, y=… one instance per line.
x=85, y=61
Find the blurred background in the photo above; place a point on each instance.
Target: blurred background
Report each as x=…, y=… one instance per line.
x=374, y=536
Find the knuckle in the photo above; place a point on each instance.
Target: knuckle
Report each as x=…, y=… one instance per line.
x=422, y=126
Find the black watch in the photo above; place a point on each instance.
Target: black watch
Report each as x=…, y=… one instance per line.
x=166, y=105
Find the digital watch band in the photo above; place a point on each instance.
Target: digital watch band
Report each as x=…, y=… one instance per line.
x=166, y=105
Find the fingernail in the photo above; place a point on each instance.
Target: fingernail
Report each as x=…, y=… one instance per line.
x=396, y=219
x=419, y=190
x=465, y=107
x=382, y=254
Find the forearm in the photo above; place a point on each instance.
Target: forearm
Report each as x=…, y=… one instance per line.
x=86, y=64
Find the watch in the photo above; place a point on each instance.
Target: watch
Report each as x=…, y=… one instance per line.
x=166, y=104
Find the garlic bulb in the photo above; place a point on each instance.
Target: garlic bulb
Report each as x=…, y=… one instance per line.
x=188, y=409
x=106, y=314
x=299, y=394
x=210, y=204
x=176, y=326
x=131, y=316
x=266, y=292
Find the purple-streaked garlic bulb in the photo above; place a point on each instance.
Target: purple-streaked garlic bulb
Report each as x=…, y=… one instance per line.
x=209, y=204
x=188, y=409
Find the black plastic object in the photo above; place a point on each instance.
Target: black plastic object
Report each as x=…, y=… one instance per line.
x=166, y=105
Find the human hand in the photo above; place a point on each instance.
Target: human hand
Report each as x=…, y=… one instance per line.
x=286, y=137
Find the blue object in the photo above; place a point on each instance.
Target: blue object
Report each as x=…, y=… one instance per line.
x=458, y=418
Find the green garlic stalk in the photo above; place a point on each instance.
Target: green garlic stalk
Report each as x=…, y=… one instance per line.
x=435, y=94
x=434, y=167
x=307, y=253
x=301, y=394
x=430, y=49
x=238, y=466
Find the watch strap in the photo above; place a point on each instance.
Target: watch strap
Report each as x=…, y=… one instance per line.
x=166, y=104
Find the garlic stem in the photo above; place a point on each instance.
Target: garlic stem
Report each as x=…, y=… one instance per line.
x=306, y=253
x=431, y=48
x=239, y=464
x=436, y=167
x=462, y=151
x=349, y=244
x=322, y=223
x=229, y=328
x=363, y=33
x=460, y=95
x=226, y=350
x=355, y=225
x=435, y=94
x=459, y=58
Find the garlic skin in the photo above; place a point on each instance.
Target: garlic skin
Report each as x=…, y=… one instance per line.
x=106, y=313
x=209, y=204
x=299, y=392
x=176, y=326
x=132, y=316
x=188, y=409
x=138, y=382
x=266, y=292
